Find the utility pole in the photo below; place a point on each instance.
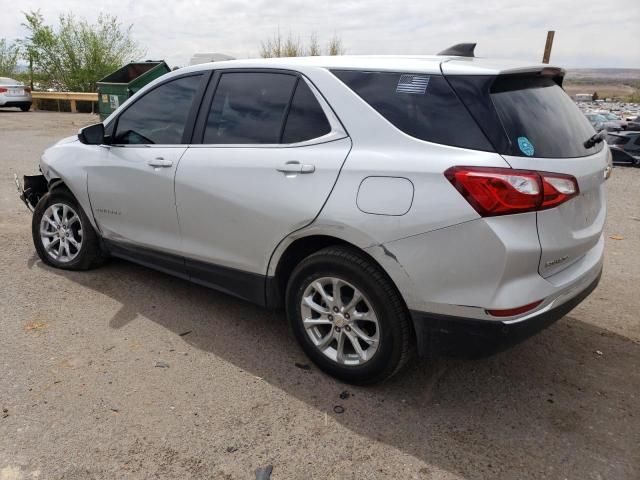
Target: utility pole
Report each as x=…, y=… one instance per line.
x=548, y=45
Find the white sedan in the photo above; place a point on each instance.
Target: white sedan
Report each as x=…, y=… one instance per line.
x=14, y=94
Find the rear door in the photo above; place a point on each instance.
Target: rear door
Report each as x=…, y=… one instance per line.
x=546, y=132
x=270, y=154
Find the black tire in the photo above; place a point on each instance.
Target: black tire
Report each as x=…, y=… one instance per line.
x=396, y=343
x=25, y=108
x=89, y=255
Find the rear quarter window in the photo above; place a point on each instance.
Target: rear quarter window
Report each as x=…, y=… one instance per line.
x=421, y=105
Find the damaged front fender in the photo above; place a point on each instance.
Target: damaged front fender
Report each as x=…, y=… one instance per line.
x=31, y=190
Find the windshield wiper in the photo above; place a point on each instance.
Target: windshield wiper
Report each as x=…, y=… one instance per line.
x=594, y=139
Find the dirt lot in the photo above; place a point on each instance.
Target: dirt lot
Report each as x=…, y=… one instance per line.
x=83, y=394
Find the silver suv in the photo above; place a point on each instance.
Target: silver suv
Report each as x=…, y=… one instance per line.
x=435, y=204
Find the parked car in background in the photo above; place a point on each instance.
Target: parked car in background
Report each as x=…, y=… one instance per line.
x=621, y=158
x=615, y=119
x=14, y=94
x=596, y=120
x=438, y=204
x=634, y=124
x=628, y=141
x=600, y=122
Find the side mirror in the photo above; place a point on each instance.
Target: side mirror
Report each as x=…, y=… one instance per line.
x=92, y=135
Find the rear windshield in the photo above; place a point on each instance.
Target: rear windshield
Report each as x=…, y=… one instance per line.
x=539, y=118
x=421, y=105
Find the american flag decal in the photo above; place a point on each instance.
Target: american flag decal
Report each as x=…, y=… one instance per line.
x=416, y=84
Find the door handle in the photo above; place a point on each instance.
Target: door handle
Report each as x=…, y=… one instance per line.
x=159, y=162
x=297, y=167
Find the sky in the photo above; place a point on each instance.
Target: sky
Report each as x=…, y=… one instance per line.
x=589, y=33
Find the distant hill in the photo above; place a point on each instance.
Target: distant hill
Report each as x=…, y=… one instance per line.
x=620, y=83
x=620, y=74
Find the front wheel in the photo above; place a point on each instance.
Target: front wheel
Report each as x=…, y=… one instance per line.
x=348, y=316
x=62, y=233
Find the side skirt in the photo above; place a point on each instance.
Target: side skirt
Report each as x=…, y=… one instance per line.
x=245, y=285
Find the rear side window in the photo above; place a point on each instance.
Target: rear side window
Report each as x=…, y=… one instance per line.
x=249, y=108
x=306, y=119
x=159, y=117
x=421, y=105
x=539, y=118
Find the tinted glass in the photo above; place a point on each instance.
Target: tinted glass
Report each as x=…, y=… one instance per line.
x=306, y=120
x=621, y=156
x=421, y=105
x=249, y=108
x=158, y=117
x=616, y=140
x=540, y=119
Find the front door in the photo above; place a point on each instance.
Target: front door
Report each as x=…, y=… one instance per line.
x=132, y=186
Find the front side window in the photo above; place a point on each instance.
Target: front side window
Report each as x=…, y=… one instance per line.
x=249, y=108
x=159, y=117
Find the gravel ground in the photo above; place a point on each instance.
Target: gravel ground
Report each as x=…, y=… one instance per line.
x=123, y=372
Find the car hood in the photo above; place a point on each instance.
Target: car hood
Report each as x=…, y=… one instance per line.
x=72, y=138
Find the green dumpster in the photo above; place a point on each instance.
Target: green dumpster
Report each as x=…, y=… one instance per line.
x=115, y=88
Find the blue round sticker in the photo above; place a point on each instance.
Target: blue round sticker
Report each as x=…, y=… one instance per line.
x=526, y=146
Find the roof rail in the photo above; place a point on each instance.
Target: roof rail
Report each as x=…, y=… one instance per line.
x=460, y=50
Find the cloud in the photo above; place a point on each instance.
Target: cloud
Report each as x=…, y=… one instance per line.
x=589, y=33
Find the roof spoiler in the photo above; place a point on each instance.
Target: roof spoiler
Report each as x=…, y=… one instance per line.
x=460, y=50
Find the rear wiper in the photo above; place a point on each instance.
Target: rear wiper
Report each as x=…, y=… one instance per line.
x=594, y=139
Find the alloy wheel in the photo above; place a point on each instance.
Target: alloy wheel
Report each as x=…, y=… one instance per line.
x=61, y=232
x=340, y=321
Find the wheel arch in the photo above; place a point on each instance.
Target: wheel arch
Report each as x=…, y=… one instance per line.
x=58, y=182
x=291, y=253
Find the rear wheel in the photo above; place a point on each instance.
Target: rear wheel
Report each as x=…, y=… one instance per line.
x=348, y=316
x=62, y=233
x=25, y=108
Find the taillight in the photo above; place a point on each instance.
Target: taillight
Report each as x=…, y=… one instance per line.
x=3, y=90
x=557, y=189
x=27, y=89
x=493, y=191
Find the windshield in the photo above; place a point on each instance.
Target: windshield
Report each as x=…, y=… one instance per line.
x=540, y=119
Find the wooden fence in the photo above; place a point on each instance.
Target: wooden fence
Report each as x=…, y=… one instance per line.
x=71, y=97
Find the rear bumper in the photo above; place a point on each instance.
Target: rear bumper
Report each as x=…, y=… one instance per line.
x=456, y=336
x=16, y=103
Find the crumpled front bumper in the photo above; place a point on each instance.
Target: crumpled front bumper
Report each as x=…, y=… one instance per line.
x=31, y=190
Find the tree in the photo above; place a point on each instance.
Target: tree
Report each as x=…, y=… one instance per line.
x=292, y=47
x=272, y=47
x=276, y=46
x=9, y=53
x=314, y=48
x=335, y=46
x=76, y=54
